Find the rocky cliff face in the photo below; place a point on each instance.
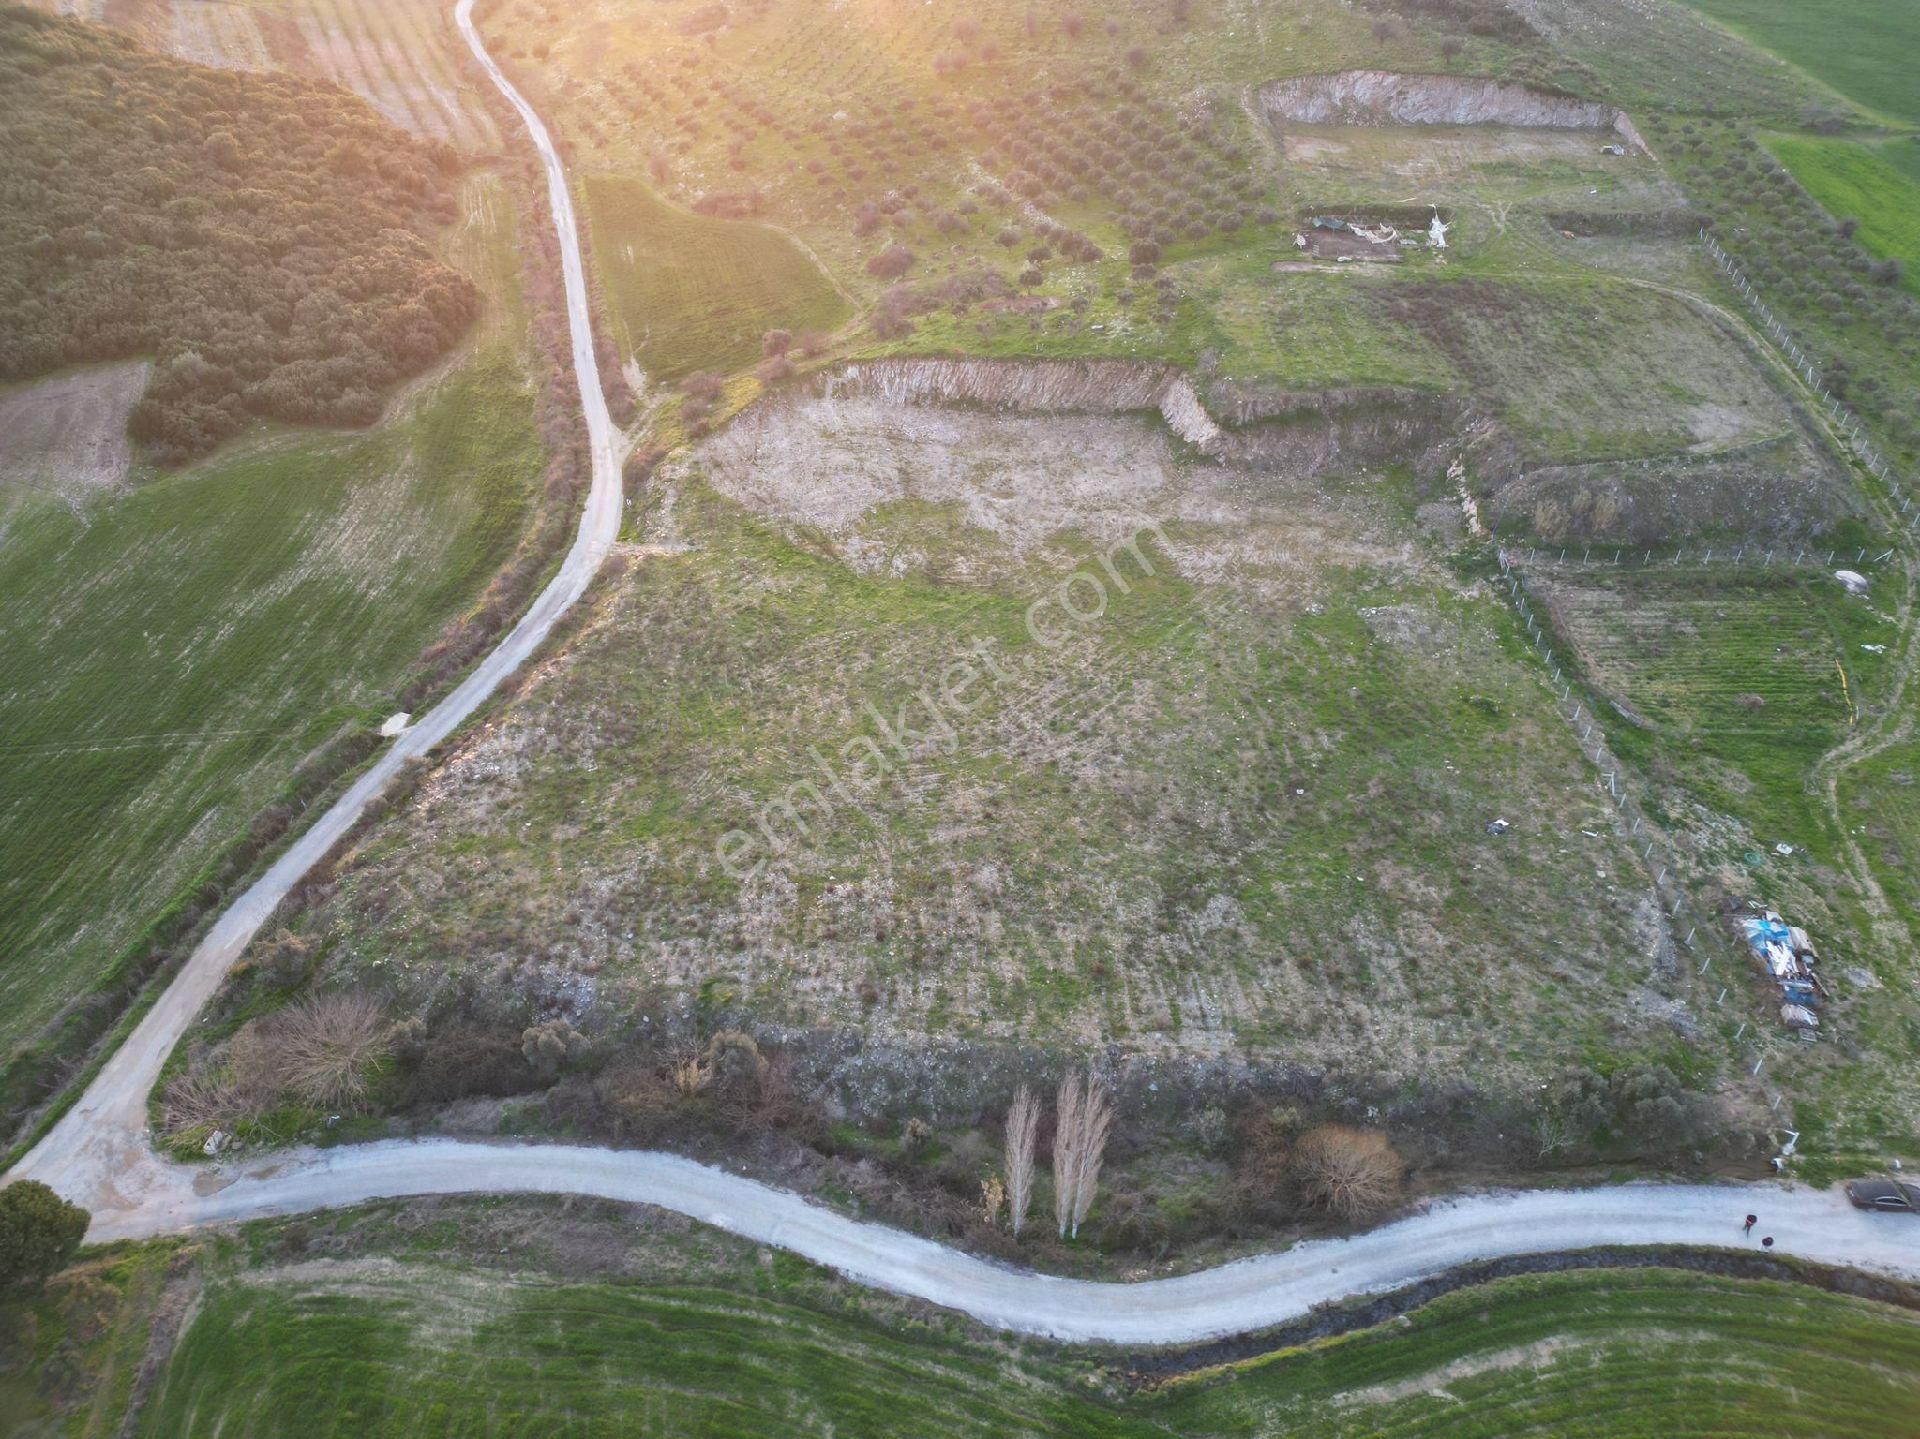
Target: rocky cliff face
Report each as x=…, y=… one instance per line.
x=1088, y=386
x=1381, y=97
x=1258, y=427
x=1091, y=386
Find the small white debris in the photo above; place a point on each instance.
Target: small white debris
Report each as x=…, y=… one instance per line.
x=395, y=724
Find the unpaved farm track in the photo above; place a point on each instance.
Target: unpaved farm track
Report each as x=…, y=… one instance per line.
x=98, y=1153
x=1234, y=1298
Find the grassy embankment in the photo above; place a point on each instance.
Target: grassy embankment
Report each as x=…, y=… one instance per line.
x=174, y=654
x=690, y=292
x=1862, y=48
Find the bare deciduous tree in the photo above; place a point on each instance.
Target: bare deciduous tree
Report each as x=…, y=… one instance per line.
x=1023, y=1124
x=1066, y=1133
x=1096, y=1123
x=1079, y=1146
x=1353, y=1173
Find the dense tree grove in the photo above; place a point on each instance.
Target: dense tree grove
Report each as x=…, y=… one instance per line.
x=260, y=236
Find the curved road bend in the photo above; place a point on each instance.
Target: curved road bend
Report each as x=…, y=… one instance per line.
x=1234, y=1298
x=98, y=1153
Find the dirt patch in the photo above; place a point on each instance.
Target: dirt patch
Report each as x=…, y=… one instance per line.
x=1022, y=304
x=870, y=458
x=1381, y=97
x=67, y=435
x=1345, y=245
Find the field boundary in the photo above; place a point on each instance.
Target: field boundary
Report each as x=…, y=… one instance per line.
x=1161, y=1368
x=51, y=1069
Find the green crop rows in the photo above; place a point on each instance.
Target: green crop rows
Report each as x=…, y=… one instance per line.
x=420, y=1351
x=694, y=293
x=172, y=654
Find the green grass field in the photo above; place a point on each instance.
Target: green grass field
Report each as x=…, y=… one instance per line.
x=1878, y=185
x=420, y=1350
x=692, y=293
x=1743, y=680
x=1199, y=753
x=1863, y=48
x=1882, y=797
x=173, y=653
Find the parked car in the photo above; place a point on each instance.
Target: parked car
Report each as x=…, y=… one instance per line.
x=1893, y=1195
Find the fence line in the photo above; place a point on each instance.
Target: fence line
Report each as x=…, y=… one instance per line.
x=1686, y=921
x=1843, y=416
x=1739, y=555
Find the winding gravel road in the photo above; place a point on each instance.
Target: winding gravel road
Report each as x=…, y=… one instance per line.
x=98, y=1153
x=1234, y=1298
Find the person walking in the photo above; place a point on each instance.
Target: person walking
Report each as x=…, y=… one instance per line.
x=1752, y=1219
x=1767, y=1243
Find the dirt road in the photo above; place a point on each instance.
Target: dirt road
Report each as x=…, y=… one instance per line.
x=98, y=1150
x=1251, y=1294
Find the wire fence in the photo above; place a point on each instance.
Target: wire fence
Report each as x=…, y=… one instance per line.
x=1694, y=931
x=1744, y=556
x=1843, y=417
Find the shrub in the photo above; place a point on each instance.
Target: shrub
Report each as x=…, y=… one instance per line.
x=1351, y=1173
x=324, y=1045
x=891, y=263
x=461, y=1058
x=548, y=1046
x=39, y=1232
x=201, y=1099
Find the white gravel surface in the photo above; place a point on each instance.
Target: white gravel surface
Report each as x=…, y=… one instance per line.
x=1251, y=1294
